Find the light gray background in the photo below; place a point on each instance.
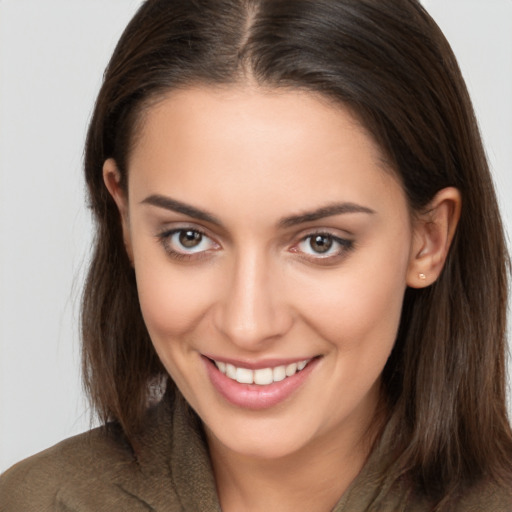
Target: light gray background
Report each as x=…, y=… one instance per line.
x=52, y=55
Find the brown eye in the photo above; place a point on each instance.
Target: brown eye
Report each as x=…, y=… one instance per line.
x=190, y=238
x=187, y=243
x=321, y=243
x=323, y=247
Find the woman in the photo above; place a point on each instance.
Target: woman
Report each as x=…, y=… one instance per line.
x=297, y=299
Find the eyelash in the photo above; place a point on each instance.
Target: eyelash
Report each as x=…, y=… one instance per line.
x=344, y=246
x=166, y=239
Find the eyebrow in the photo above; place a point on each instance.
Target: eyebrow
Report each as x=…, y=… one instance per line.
x=321, y=213
x=191, y=211
x=179, y=207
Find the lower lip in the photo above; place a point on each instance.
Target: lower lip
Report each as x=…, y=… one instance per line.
x=254, y=396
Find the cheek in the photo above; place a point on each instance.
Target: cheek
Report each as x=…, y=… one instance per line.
x=172, y=300
x=358, y=308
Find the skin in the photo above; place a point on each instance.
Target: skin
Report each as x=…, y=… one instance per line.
x=256, y=289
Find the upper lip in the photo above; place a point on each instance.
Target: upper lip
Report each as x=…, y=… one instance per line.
x=256, y=365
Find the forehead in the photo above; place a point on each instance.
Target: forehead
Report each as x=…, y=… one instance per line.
x=291, y=112
x=204, y=142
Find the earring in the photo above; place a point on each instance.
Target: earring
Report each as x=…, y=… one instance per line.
x=422, y=276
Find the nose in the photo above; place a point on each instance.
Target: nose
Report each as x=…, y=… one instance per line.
x=253, y=310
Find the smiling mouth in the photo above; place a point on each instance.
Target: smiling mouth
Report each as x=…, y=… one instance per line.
x=261, y=376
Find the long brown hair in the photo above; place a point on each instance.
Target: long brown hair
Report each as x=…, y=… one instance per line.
x=390, y=64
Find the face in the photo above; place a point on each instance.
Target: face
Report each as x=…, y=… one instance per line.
x=272, y=249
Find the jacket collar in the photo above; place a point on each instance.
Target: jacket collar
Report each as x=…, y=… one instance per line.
x=172, y=469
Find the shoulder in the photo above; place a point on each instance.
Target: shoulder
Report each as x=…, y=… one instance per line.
x=98, y=471
x=79, y=473
x=486, y=496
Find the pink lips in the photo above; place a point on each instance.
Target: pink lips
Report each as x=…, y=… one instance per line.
x=254, y=396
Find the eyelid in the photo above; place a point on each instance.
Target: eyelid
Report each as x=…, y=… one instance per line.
x=345, y=246
x=164, y=238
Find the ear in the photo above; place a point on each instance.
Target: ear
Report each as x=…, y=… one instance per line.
x=112, y=180
x=433, y=233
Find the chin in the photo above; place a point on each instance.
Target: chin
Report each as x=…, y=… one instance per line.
x=254, y=436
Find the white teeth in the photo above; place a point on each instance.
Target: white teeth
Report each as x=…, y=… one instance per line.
x=279, y=373
x=244, y=376
x=291, y=369
x=262, y=376
x=301, y=365
x=231, y=371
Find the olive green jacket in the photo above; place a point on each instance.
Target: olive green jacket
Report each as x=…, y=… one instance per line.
x=96, y=472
